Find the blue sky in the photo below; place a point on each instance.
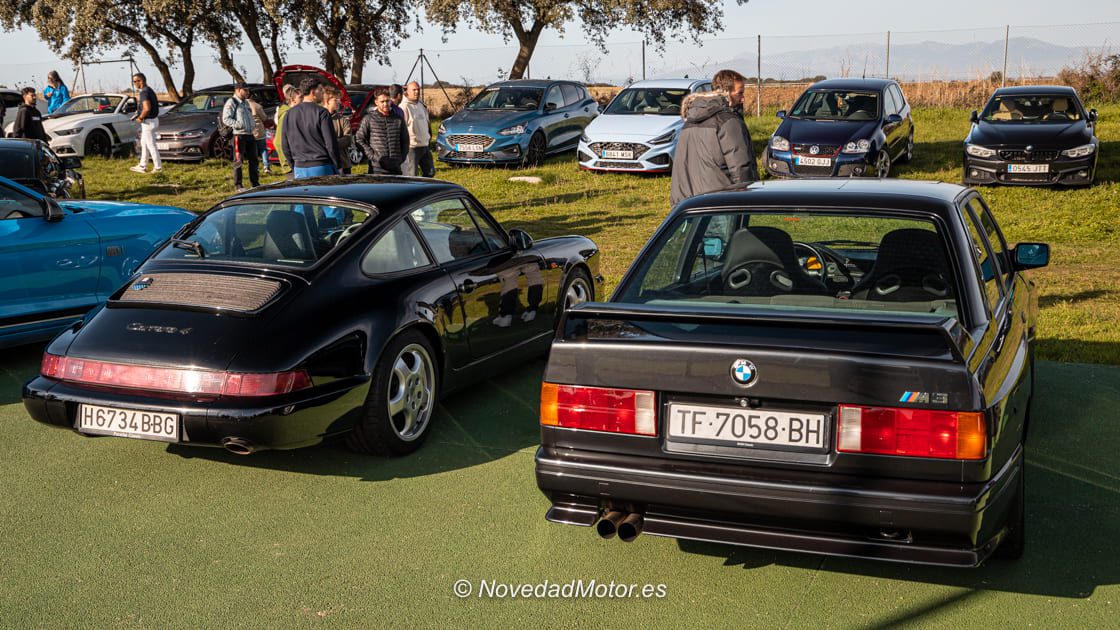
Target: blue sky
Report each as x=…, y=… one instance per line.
x=23, y=57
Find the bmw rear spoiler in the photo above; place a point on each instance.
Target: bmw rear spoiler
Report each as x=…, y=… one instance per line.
x=948, y=329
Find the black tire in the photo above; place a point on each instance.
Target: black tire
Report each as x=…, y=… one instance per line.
x=98, y=144
x=572, y=293
x=221, y=148
x=534, y=155
x=406, y=377
x=1012, y=546
x=908, y=154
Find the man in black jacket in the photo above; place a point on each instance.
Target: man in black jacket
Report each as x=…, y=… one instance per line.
x=383, y=137
x=714, y=148
x=309, y=142
x=29, y=122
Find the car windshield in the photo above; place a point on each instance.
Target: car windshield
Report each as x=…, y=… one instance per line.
x=655, y=101
x=285, y=234
x=837, y=105
x=202, y=102
x=521, y=98
x=86, y=104
x=1036, y=108
x=797, y=260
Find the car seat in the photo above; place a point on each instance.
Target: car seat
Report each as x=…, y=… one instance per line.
x=286, y=236
x=753, y=268
x=910, y=267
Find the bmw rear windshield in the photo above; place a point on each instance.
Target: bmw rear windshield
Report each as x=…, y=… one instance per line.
x=797, y=260
x=507, y=97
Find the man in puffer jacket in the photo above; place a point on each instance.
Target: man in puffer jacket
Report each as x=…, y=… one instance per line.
x=383, y=137
x=714, y=149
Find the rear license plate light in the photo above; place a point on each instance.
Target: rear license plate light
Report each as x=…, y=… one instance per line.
x=610, y=410
x=911, y=432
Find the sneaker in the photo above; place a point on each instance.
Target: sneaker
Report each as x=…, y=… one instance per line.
x=238, y=189
x=156, y=170
x=503, y=321
x=528, y=316
x=138, y=169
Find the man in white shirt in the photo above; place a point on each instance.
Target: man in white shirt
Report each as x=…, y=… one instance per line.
x=419, y=133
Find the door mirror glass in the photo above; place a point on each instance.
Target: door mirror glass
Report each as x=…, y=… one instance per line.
x=1031, y=255
x=894, y=119
x=1093, y=115
x=520, y=239
x=713, y=247
x=974, y=117
x=781, y=113
x=52, y=212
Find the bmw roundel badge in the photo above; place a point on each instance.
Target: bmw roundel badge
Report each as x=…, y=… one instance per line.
x=143, y=283
x=743, y=372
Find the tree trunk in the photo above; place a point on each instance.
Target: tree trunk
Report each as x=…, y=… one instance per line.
x=251, y=24
x=274, y=41
x=157, y=60
x=528, y=40
x=358, y=63
x=225, y=59
x=188, y=67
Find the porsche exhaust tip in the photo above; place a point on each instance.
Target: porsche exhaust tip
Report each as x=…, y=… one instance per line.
x=607, y=526
x=630, y=527
x=238, y=446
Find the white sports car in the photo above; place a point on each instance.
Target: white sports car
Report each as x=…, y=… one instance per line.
x=637, y=132
x=93, y=124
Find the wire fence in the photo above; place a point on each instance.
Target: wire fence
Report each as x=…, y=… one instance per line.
x=1017, y=54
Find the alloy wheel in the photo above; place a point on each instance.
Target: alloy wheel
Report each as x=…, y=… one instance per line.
x=411, y=396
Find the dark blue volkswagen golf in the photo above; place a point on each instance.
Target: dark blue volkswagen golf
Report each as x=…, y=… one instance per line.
x=843, y=128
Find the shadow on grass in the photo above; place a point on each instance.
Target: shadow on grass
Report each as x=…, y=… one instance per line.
x=17, y=366
x=1108, y=162
x=1091, y=294
x=585, y=224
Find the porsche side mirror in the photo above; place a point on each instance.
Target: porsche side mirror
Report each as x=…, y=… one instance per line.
x=52, y=212
x=520, y=239
x=1030, y=255
x=894, y=119
x=781, y=113
x=72, y=162
x=974, y=117
x=1092, y=115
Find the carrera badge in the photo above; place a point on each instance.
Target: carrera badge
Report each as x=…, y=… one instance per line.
x=744, y=372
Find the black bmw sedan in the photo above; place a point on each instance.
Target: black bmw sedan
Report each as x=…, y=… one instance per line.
x=306, y=309
x=843, y=128
x=843, y=368
x=1032, y=135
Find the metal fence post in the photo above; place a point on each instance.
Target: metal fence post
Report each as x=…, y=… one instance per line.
x=758, y=84
x=888, y=72
x=643, y=60
x=1006, y=37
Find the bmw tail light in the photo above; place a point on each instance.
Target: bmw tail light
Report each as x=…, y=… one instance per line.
x=599, y=409
x=912, y=432
x=177, y=380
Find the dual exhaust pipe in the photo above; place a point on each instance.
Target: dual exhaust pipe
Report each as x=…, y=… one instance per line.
x=626, y=525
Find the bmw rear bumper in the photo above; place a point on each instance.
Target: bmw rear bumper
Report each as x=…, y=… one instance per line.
x=919, y=522
x=280, y=422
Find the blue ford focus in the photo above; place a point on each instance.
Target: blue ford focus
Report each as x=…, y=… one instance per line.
x=517, y=122
x=62, y=258
x=843, y=128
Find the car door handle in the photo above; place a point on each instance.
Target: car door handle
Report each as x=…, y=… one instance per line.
x=567, y=115
x=467, y=286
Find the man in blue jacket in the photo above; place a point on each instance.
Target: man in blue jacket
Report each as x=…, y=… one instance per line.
x=238, y=116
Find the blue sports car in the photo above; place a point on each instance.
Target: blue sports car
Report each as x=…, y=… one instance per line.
x=517, y=122
x=62, y=258
x=843, y=128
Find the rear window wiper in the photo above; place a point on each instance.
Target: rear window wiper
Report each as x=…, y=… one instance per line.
x=193, y=246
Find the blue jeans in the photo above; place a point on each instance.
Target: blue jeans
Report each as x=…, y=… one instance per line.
x=314, y=171
x=262, y=148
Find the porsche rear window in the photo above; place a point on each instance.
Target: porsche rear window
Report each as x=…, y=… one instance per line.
x=285, y=234
x=799, y=260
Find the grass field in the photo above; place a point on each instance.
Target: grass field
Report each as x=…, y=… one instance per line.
x=106, y=532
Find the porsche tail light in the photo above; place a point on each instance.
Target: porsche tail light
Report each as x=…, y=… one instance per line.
x=912, y=432
x=178, y=380
x=631, y=411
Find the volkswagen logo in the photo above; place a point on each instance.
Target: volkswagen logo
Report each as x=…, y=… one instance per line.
x=743, y=372
x=143, y=283
x=814, y=149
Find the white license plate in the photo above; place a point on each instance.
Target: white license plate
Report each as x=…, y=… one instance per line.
x=1028, y=168
x=134, y=423
x=803, y=160
x=163, y=146
x=470, y=148
x=618, y=155
x=746, y=427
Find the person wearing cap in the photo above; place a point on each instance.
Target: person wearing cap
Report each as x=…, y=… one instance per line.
x=238, y=116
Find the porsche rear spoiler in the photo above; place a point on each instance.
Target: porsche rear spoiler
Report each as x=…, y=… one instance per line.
x=945, y=332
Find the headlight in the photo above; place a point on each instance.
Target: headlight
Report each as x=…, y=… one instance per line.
x=1081, y=151
x=67, y=132
x=979, y=151
x=515, y=130
x=665, y=138
x=779, y=143
x=858, y=146
x=193, y=133
x=442, y=129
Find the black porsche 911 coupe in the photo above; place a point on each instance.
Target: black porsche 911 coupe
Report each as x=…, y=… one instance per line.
x=843, y=368
x=1035, y=135
x=308, y=309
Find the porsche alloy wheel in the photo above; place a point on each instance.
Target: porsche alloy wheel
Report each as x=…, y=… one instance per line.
x=401, y=400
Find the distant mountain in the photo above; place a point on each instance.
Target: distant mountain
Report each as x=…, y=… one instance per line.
x=920, y=61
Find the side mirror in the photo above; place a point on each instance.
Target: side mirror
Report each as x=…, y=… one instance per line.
x=713, y=247
x=71, y=162
x=894, y=119
x=52, y=212
x=1092, y=115
x=1030, y=255
x=520, y=239
x=781, y=113
x=974, y=117
x=549, y=107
